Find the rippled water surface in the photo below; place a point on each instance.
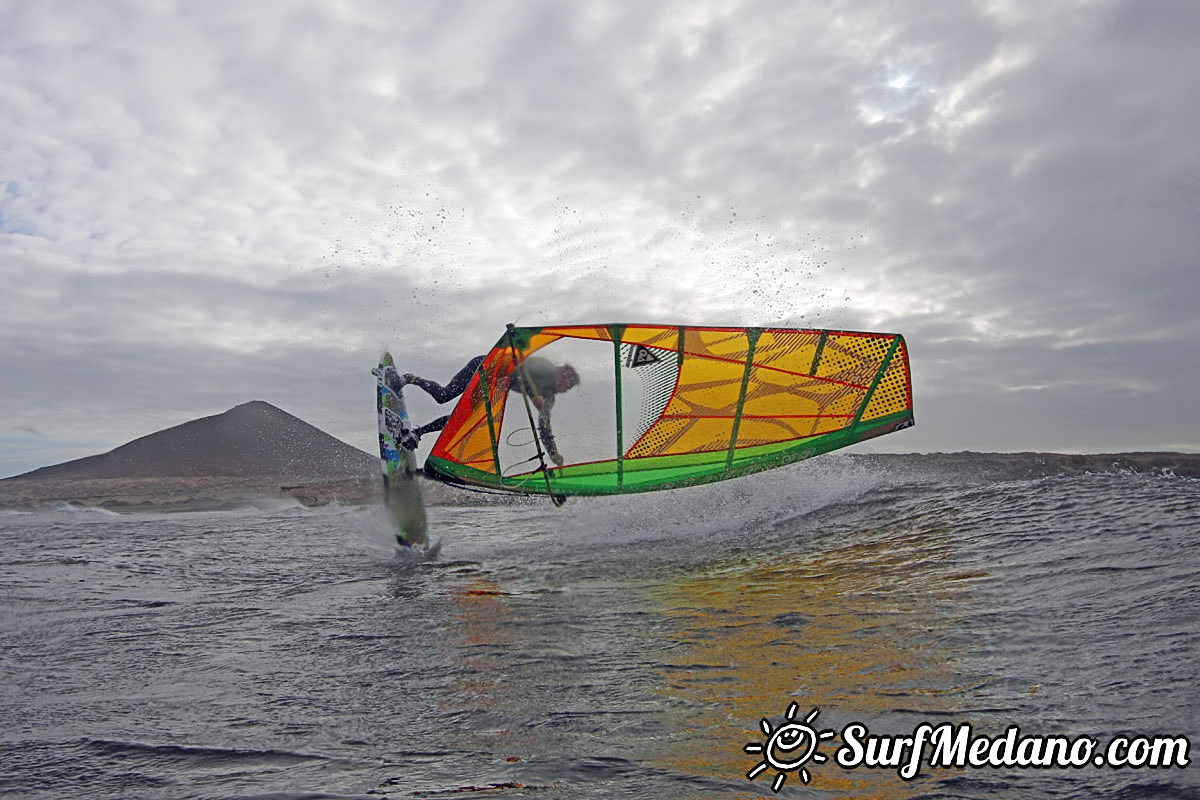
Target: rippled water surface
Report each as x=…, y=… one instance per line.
x=614, y=648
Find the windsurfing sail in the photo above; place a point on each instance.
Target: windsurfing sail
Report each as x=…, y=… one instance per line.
x=659, y=407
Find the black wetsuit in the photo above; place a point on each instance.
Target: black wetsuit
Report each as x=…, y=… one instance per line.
x=540, y=387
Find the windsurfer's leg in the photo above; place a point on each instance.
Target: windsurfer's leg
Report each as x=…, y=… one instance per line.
x=456, y=386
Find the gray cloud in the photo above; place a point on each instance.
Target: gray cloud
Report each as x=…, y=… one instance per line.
x=214, y=203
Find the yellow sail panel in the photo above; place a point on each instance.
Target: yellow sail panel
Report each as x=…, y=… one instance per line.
x=526, y=347
x=792, y=352
x=685, y=435
x=597, y=332
x=718, y=344
x=660, y=438
x=894, y=392
x=700, y=414
x=754, y=431
x=771, y=393
x=706, y=388
x=661, y=337
x=853, y=358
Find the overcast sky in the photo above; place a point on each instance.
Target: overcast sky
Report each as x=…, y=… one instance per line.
x=205, y=203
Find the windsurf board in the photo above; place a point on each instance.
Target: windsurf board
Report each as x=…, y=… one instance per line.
x=401, y=492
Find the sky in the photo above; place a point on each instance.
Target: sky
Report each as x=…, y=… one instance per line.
x=203, y=204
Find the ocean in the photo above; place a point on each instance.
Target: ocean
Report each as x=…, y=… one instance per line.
x=620, y=647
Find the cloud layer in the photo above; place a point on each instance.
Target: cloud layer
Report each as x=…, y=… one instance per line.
x=202, y=204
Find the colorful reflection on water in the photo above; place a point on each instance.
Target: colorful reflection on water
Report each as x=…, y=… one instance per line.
x=862, y=630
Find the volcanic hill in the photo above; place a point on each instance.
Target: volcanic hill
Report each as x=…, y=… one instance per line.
x=255, y=439
x=253, y=450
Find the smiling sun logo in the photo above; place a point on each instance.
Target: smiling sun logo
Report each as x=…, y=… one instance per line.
x=789, y=747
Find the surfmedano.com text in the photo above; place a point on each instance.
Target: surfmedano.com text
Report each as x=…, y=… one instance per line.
x=949, y=745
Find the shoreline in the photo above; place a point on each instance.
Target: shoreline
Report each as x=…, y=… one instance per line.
x=167, y=495
x=216, y=493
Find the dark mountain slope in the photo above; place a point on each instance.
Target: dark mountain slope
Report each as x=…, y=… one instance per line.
x=253, y=440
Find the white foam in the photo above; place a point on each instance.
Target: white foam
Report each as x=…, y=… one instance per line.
x=748, y=504
x=79, y=508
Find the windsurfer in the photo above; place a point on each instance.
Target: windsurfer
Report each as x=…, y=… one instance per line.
x=540, y=379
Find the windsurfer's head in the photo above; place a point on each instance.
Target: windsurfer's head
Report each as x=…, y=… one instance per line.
x=565, y=377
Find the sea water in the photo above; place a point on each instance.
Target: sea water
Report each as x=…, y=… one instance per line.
x=619, y=647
